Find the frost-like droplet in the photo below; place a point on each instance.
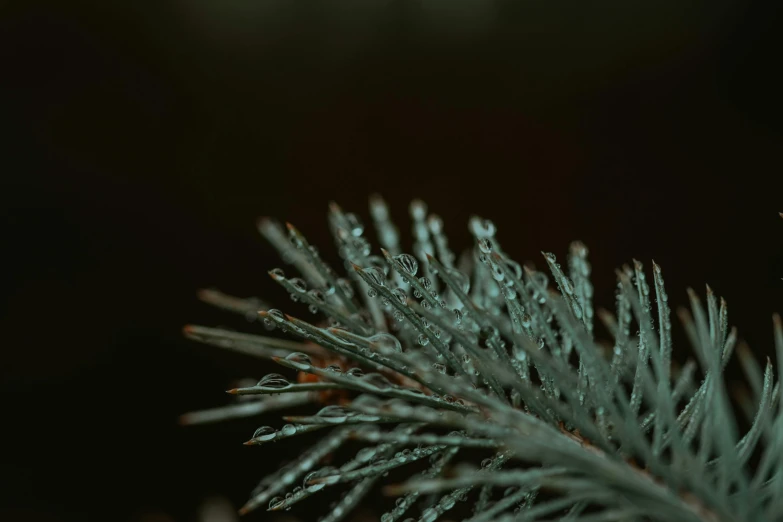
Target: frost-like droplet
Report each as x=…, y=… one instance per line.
x=408, y=263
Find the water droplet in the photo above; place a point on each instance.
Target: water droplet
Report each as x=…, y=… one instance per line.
x=401, y=295
x=372, y=292
x=355, y=226
x=295, y=239
x=377, y=380
x=485, y=245
x=362, y=246
x=334, y=413
x=298, y=284
x=355, y=372
x=307, y=478
x=423, y=340
x=298, y=357
x=316, y=295
x=376, y=275
x=439, y=367
x=288, y=430
x=276, y=315
x=429, y=515
x=277, y=273
x=274, y=380
x=497, y=273
x=276, y=502
x=265, y=433
x=408, y=263
x=386, y=343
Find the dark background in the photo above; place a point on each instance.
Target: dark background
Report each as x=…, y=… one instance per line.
x=142, y=140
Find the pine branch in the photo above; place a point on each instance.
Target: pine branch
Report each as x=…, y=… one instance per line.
x=433, y=357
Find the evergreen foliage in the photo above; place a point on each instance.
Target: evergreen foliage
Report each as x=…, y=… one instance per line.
x=488, y=396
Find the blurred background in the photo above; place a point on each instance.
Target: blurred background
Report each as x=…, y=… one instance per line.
x=143, y=139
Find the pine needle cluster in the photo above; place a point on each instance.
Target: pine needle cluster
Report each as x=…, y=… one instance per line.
x=468, y=388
